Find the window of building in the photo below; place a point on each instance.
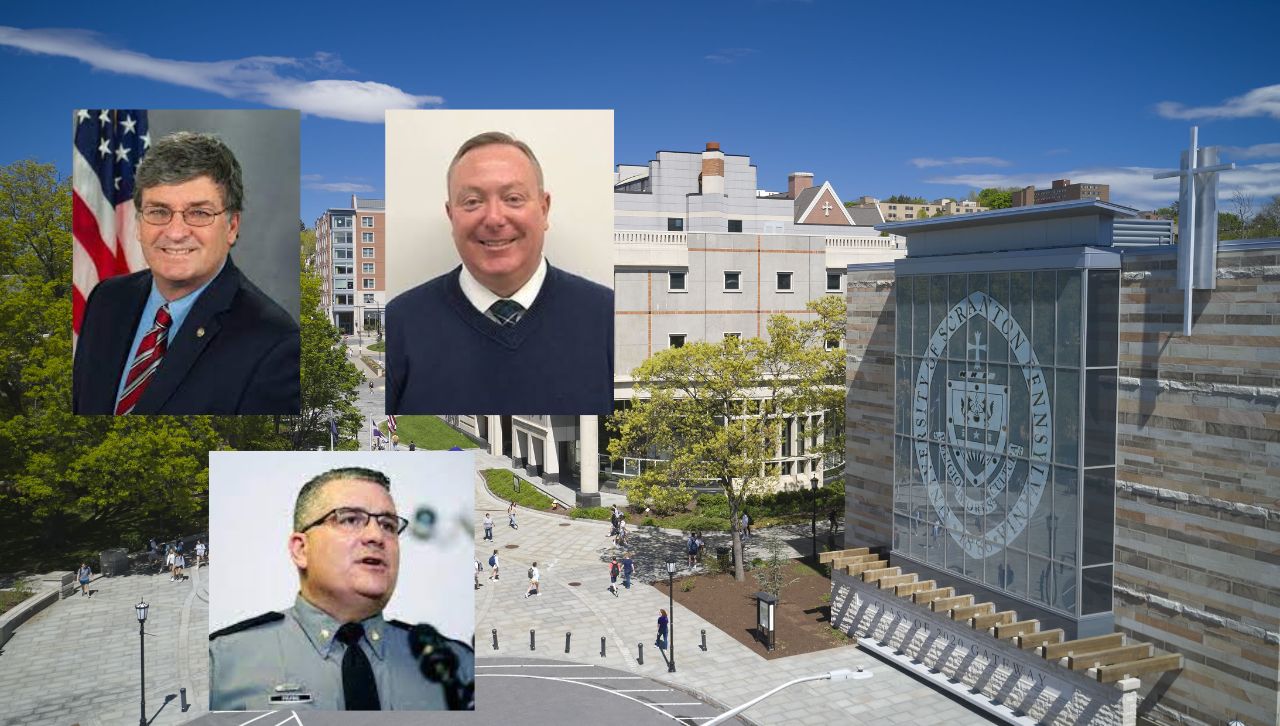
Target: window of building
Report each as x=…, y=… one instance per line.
x=342, y=299
x=342, y=269
x=341, y=254
x=676, y=340
x=366, y=237
x=676, y=281
x=908, y=215
x=784, y=282
x=369, y=298
x=833, y=282
x=368, y=283
x=366, y=221
x=832, y=343
x=735, y=336
x=367, y=268
x=345, y=285
x=365, y=252
x=893, y=206
x=342, y=223
x=675, y=224
x=733, y=280
x=735, y=225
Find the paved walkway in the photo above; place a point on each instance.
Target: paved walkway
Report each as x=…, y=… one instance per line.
x=77, y=661
x=572, y=557
x=370, y=402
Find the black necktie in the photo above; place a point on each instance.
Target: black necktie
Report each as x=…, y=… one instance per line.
x=358, y=687
x=507, y=312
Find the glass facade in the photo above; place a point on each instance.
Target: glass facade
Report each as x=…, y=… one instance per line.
x=1005, y=431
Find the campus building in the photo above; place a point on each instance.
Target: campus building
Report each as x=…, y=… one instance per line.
x=350, y=257
x=700, y=255
x=901, y=211
x=1028, y=425
x=1062, y=190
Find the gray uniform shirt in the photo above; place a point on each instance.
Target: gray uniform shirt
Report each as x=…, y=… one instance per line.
x=293, y=660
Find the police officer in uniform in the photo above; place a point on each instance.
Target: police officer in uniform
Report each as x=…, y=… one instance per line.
x=333, y=650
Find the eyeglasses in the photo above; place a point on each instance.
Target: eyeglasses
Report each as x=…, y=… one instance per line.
x=353, y=520
x=197, y=217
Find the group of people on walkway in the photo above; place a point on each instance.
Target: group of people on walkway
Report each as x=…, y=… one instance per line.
x=625, y=569
x=175, y=558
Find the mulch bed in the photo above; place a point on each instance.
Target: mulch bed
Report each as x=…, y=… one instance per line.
x=802, y=618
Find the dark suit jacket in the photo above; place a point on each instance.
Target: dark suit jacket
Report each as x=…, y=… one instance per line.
x=236, y=353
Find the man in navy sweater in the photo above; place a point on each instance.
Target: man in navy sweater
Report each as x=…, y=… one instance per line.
x=505, y=332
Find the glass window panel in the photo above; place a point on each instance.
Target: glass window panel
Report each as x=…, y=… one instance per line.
x=1020, y=300
x=937, y=302
x=936, y=543
x=901, y=531
x=1100, y=417
x=1014, y=536
x=977, y=325
x=1066, y=417
x=957, y=289
x=1015, y=572
x=1068, y=318
x=1042, y=580
x=1095, y=590
x=994, y=572
x=952, y=553
x=998, y=349
x=1045, y=287
x=1038, y=527
x=904, y=390
x=902, y=490
x=1103, y=317
x=920, y=330
x=1062, y=522
x=919, y=539
x=902, y=314
x=1098, y=524
x=1019, y=412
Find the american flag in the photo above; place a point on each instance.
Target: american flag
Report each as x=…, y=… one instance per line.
x=108, y=146
x=391, y=424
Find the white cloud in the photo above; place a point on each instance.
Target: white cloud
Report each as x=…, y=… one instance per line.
x=725, y=56
x=260, y=79
x=926, y=162
x=344, y=187
x=1264, y=101
x=1132, y=186
x=1257, y=151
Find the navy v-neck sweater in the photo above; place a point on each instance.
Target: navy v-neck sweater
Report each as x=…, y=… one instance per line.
x=446, y=357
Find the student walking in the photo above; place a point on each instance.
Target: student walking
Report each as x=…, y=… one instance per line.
x=83, y=575
x=479, y=568
x=628, y=566
x=179, y=562
x=614, y=571
x=691, y=549
x=511, y=516
x=488, y=527
x=661, y=641
x=169, y=561
x=621, y=539
x=493, y=564
x=533, y=581
x=200, y=551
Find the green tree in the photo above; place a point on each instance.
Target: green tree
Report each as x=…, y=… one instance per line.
x=905, y=199
x=996, y=197
x=714, y=412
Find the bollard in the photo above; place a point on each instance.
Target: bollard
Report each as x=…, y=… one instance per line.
x=182, y=696
x=640, y=647
x=704, y=640
x=495, y=638
x=566, y=641
x=602, y=646
x=530, y=638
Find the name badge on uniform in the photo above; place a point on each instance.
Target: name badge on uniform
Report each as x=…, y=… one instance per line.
x=289, y=693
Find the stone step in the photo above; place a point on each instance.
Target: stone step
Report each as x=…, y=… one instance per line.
x=912, y=588
x=861, y=567
x=944, y=604
x=924, y=597
x=1123, y=654
x=1020, y=627
x=964, y=612
x=840, y=562
x=895, y=580
x=982, y=622
x=1083, y=645
x=1043, y=637
x=825, y=557
x=876, y=574
x=1158, y=664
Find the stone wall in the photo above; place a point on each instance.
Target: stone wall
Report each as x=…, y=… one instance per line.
x=1198, y=480
x=869, y=375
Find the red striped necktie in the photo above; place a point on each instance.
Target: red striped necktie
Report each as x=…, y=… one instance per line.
x=145, y=361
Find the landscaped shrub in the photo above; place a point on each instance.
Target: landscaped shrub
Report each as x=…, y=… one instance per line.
x=501, y=483
x=591, y=513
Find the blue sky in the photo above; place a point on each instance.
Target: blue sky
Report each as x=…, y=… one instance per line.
x=932, y=101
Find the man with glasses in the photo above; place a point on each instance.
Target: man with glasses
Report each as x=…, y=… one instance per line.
x=191, y=334
x=333, y=650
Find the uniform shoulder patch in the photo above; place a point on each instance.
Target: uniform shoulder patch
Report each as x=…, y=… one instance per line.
x=247, y=624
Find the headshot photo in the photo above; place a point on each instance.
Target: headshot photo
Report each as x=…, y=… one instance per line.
x=500, y=262
x=343, y=581
x=185, y=264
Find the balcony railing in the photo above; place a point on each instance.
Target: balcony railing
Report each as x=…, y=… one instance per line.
x=650, y=238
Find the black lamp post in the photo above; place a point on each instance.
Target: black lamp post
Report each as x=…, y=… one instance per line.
x=671, y=619
x=813, y=483
x=141, y=607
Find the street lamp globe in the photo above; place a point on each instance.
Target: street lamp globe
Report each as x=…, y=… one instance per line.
x=141, y=607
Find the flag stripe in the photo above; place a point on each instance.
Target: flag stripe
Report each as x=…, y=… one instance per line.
x=87, y=234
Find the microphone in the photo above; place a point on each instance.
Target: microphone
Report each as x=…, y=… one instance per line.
x=439, y=664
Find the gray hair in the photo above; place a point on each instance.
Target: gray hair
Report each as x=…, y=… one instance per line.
x=489, y=138
x=303, y=508
x=183, y=156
